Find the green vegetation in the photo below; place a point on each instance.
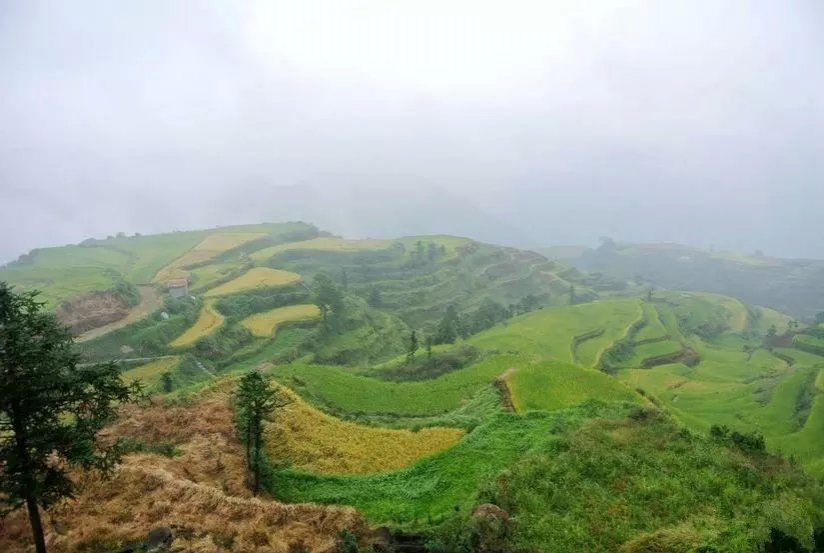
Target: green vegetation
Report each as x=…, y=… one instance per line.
x=642, y=484
x=440, y=486
x=552, y=385
x=511, y=379
x=337, y=390
x=51, y=409
x=551, y=332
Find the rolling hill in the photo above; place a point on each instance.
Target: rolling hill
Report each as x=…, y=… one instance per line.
x=594, y=414
x=794, y=286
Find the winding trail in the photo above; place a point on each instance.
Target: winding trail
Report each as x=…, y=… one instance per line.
x=149, y=302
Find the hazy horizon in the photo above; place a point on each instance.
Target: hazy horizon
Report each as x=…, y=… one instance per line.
x=527, y=123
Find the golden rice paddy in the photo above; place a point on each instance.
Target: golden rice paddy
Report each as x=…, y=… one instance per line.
x=259, y=277
x=316, y=442
x=208, y=321
x=264, y=325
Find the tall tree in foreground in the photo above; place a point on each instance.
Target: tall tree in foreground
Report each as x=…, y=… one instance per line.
x=256, y=399
x=51, y=409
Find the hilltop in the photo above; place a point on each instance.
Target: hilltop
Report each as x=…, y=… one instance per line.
x=538, y=407
x=794, y=286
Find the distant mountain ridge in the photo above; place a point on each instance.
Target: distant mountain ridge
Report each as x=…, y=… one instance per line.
x=794, y=286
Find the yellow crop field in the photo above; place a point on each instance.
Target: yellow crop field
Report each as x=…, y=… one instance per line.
x=208, y=321
x=324, y=243
x=264, y=325
x=150, y=372
x=208, y=248
x=316, y=442
x=258, y=277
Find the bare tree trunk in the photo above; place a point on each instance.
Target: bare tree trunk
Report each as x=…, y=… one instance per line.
x=36, y=524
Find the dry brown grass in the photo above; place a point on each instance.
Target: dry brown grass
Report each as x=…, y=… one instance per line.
x=200, y=493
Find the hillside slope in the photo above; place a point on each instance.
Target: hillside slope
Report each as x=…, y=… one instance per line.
x=791, y=286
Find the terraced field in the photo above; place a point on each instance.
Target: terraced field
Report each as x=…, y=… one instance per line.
x=150, y=373
x=264, y=325
x=319, y=443
x=653, y=328
x=208, y=322
x=549, y=333
x=338, y=390
x=209, y=248
x=325, y=243
x=552, y=385
x=258, y=277
x=653, y=349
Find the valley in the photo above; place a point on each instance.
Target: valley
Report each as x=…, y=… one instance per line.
x=426, y=377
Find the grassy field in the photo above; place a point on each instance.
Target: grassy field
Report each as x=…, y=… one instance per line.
x=654, y=328
x=737, y=311
x=150, y=372
x=325, y=243
x=57, y=285
x=645, y=351
x=338, y=390
x=549, y=332
x=447, y=483
x=258, y=277
x=264, y=325
x=208, y=321
x=765, y=318
x=644, y=486
x=312, y=441
x=762, y=394
x=431, y=488
x=552, y=385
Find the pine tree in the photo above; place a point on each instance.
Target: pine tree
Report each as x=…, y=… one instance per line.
x=51, y=409
x=256, y=399
x=413, y=347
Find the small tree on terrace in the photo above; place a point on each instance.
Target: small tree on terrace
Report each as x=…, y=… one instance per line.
x=256, y=399
x=51, y=409
x=413, y=347
x=327, y=297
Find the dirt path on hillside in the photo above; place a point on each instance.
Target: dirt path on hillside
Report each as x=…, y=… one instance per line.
x=149, y=302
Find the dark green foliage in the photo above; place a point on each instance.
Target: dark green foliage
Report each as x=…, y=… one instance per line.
x=147, y=337
x=223, y=342
x=413, y=347
x=255, y=400
x=751, y=442
x=348, y=543
x=240, y=306
x=329, y=299
x=472, y=534
x=374, y=297
x=50, y=408
x=135, y=445
x=450, y=327
x=127, y=291
x=433, y=365
x=166, y=382
x=488, y=314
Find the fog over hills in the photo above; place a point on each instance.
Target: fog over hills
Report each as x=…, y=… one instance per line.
x=538, y=123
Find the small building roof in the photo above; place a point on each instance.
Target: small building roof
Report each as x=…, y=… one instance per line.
x=177, y=283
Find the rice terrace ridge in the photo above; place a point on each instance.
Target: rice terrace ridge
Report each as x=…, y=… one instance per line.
x=430, y=393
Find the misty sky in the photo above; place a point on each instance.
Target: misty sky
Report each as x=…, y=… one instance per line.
x=532, y=122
